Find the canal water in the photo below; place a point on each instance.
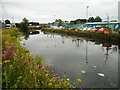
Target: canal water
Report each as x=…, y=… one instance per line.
x=94, y=63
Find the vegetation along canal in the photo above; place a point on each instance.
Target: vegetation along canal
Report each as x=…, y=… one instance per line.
x=96, y=64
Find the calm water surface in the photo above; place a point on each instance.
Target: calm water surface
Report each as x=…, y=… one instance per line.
x=95, y=64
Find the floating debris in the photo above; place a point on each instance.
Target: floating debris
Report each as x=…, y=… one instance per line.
x=101, y=74
x=113, y=85
x=83, y=71
x=68, y=79
x=95, y=66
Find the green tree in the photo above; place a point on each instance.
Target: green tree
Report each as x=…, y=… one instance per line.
x=91, y=19
x=17, y=25
x=24, y=25
x=72, y=22
x=98, y=19
x=78, y=21
x=60, y=22
x=7, y=21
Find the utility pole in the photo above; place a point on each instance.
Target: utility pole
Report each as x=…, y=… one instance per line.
x=107, y=17
x=54, y=16
x=87, y=13
x=54, y=20
x=12, y=19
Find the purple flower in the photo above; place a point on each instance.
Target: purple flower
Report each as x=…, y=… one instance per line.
x=20, y=58
x=8, y=53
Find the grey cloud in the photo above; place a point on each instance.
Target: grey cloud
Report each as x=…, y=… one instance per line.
x=43, y=10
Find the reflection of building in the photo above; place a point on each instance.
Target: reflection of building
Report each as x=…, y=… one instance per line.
x=34, y=25
x=119, y=11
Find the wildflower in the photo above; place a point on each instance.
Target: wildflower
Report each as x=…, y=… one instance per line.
x=20, y=58
x=8, y=53
x=6, y=42
x=50, y=84
x=79, y=80
x=6, y=61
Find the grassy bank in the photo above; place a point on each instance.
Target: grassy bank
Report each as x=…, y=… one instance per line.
x=97, y=36
x=20, y=70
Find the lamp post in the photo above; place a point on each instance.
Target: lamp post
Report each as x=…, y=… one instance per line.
x=87, y=13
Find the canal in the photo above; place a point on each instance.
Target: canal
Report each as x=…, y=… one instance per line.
x=96, y=64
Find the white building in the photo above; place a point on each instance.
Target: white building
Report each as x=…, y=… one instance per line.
x=119, y=11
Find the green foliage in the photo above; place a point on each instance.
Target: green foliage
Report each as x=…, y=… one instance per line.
x=7, y=21
x=78, y=21
x=20, y=70
x=91, y=19
x=17, y=25
x=24, y=25
x=98, y=19
x=60, y=22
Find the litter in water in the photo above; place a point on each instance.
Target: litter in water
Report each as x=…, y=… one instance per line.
x=101, y=74
x=83, y=71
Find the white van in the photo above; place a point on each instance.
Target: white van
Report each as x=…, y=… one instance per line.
x=8, y=25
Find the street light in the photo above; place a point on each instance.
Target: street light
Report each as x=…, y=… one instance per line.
x=87, y=13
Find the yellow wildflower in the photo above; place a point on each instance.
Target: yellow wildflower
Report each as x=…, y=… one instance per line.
x=49, y=84
x=6, y=42
x=6, y=61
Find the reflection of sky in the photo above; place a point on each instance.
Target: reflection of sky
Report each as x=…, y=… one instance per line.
x=70, y=58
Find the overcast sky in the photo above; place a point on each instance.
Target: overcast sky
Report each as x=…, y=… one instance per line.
x=45, y=11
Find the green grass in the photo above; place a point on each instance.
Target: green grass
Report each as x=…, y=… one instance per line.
x=21, y=70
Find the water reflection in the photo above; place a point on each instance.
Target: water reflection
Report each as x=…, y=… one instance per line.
x=119, y=48
x=63, y=40
x=108, y=47
x=77, y=41
x=93, y=62
x=26, y=36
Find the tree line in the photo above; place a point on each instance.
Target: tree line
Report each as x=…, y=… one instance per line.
x=23, y=25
